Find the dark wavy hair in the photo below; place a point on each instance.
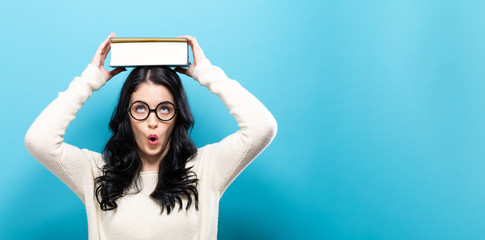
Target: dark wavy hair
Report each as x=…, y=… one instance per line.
x=122, y=161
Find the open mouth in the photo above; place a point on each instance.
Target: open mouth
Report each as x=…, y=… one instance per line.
x=153, y=139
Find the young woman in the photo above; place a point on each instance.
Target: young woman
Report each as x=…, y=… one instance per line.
x=151, y=182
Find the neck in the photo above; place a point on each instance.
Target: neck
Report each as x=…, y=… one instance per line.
x=152, y=162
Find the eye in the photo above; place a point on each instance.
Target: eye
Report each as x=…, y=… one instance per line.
x=140, y=108
x=164, y=110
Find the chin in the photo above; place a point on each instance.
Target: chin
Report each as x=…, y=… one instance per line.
x=153, y=151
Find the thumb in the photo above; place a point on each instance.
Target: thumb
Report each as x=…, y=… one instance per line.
x=116, y=71
x=181, y=70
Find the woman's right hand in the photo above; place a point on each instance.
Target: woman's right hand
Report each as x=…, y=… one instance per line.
x=197, y=54
x=100, y=56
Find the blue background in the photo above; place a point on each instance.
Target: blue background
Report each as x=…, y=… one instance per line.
x=379, y=104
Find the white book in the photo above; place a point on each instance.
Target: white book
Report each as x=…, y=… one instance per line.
x=132, y=52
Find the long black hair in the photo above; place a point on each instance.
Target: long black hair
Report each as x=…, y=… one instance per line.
x=122, y=161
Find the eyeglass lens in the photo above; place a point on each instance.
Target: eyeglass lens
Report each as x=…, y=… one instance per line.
x=141, y=110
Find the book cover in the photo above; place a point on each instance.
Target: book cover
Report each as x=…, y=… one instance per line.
x=132, y=52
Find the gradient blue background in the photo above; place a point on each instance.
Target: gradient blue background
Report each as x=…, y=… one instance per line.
x=380, y=107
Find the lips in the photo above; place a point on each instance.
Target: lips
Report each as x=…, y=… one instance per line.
x=153, y=139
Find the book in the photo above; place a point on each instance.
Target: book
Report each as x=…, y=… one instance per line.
x=132, y=52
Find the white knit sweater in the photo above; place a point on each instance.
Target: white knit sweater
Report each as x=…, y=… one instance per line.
x=138, y=216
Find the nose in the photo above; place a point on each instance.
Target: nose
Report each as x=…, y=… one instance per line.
x=152, y=120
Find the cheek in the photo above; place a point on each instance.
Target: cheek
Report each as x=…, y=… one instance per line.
x=170, y=127
x=135, y=128
x=168, y=131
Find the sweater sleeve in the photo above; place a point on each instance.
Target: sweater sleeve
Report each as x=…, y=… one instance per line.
x=257, y=126
x=45, y=141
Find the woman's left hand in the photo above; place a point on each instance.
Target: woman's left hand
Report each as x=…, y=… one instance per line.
x=100, y=57
x=197, y=54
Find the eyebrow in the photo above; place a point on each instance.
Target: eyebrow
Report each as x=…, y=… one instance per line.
x=130, y=103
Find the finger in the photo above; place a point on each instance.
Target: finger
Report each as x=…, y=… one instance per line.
x=106, y=45
x=105, y=42
x=197, y=52
x=190, y=40
x=111, y=35
x=101, y=49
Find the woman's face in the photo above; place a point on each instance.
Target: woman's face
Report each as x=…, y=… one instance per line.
x=152, y=135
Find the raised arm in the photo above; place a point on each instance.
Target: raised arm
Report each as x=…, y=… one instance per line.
x=44, y=139
x=257, y=125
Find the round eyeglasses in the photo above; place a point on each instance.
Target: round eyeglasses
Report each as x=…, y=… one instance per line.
x=164, y=111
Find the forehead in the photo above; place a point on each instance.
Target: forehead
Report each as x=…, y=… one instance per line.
x=151, y=93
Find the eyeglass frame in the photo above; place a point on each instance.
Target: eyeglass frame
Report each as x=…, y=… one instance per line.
x=150, y=110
